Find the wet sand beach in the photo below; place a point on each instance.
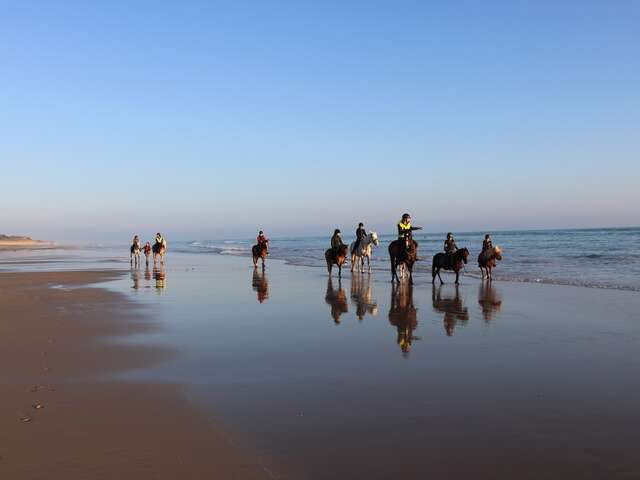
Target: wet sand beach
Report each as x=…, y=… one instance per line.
x=60, y=418
x=213, y=365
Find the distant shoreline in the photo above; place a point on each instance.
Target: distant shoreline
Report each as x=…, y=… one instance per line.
x=14, y=242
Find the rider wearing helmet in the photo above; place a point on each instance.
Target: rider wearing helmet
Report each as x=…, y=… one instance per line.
x=360, y=234
x=160, y=241
x=336, y=241
x=262, y=240
x=450, y=244
x=405, y=228
x=487, y=244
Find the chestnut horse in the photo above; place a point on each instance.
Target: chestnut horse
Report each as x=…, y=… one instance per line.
x=449, y=261
x=487, y=260
x=259, y=251
x=403, y=252
x=336, y=258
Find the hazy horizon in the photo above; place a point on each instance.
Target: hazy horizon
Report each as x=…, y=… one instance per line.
x=207, y=120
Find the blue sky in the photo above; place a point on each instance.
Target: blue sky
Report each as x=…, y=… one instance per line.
x=212, y=119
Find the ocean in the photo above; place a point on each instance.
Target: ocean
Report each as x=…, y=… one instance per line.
x=600, y=258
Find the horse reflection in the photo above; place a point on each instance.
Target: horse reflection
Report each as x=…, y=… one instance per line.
x=135, y=276
x=160, y=276
x=452, y=307
x=337, y=299
x=147, y=273
x=260, y=285
x=490, y=300
x=362, y=296
x=403, y=315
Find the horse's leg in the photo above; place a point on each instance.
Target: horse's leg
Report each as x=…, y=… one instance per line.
x=433, y=273
x=457, y=274
x=393, y=270
x=410, y=275
x=263, y=261
x=368, y=263
x=353, y=261
x=441, y=282
x=339, y=270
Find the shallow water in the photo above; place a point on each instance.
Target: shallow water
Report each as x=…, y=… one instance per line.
x=359, y=379
x=604, y=258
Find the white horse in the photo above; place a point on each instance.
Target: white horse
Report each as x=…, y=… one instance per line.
x=364, y=250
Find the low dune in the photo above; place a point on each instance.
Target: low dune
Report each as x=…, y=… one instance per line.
x=13, y=242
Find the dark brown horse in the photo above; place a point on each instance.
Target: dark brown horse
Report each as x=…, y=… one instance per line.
x=259, y=251
x=449, y=261
x=487, y=260
x=336, y=258
x=403, y=252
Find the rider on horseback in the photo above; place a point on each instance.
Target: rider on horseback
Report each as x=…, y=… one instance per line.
x=487, y=244
x=160, y=242
x=262, y=240
x=336, y=241
x=360, y=234
x=405, y=229
x=450, y=244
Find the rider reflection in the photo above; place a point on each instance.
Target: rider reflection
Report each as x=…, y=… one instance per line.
x=452, y=307
x=337, y=299
x=403, y=315
x=362, y=296
x=490, y=300
x=260, y=285
x=160, y=275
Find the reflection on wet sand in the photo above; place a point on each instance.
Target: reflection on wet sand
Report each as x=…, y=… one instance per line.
x=260, y=284
x=147, y=273
x=362, y=296
x=160, y=275
x=490, y=300
x=337, y=299
x=452, y=307
x=135, y=276
x=403, y=315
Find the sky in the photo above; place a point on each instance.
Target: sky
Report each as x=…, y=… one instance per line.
x=213, y=119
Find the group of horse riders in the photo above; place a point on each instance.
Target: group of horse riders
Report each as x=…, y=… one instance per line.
x=405, y=230
x=158, y=248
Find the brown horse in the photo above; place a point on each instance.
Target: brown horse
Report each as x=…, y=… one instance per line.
x=487, y=261
x=259, y=251
x=336, y=258
x=449, y=261
x=403, y=252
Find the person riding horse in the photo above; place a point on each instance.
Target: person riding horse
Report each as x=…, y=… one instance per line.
x=487, y=244
x=261, y=241
x=450, y=244
x=360, y=234
x=405, y=229
x=336, y=241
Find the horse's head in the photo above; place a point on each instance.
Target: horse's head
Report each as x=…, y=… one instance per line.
x=374, y=238
x=465, y=254
x=497, y=253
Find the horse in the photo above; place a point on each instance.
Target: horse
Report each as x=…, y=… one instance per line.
x=259, y=251
x=487, y=261
x=338, y=258
x=158, y=249
x=134, y=254
x=363, y=251
x=403, y=252
x=449, y=261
